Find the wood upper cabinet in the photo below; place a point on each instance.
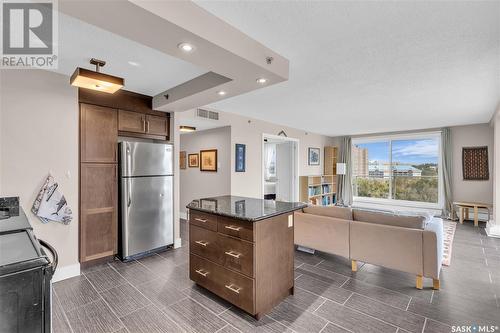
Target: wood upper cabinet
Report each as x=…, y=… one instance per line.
x=156, y=125
x=98, y=134
x=98, y=215
x=129, y=121
x=147, y=125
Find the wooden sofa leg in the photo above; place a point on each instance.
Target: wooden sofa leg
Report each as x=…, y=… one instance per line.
x=354, y=265
x=420, y=282
x=435, y=284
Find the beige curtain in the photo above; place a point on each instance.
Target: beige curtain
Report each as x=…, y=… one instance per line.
x=344, y=183
x=446, y=161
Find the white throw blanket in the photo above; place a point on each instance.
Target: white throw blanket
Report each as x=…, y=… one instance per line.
x=50, y=204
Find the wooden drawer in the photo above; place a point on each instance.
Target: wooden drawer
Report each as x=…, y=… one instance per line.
x=236, y=228
x=207, y=221
x=236, y=254
x=204, y=243
x=233, y=287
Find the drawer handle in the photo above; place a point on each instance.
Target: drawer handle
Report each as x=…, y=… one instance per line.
x=200, y=220
x=201, y=272
x=232, y=227
x=233, y=288
x=202, y=243
x=233, y=254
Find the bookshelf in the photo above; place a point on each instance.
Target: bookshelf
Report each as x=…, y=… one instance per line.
x=330, y=160
x=318, y=190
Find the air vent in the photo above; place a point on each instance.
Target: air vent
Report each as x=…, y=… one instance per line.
x=207, y=114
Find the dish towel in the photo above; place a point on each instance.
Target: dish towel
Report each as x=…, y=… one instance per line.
x=50, y=204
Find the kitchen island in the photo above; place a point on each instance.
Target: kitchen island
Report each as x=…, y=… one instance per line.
x=242, y=250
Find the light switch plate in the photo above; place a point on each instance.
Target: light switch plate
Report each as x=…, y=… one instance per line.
x=290, y=221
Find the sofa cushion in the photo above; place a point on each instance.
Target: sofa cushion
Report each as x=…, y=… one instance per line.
x=413, y=222
x=330, y=211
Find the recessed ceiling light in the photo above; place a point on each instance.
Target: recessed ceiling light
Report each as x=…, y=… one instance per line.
x=187, y=128
x=261, y=80
x=186, y=47
x=133, y=63
x=221, y=93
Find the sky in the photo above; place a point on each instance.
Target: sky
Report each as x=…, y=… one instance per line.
x=404, y=151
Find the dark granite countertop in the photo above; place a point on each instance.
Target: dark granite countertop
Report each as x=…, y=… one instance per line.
x=243, y=208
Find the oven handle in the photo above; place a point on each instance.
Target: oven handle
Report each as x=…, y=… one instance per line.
x=53, y=251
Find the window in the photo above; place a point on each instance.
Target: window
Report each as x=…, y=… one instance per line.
x=397, y=168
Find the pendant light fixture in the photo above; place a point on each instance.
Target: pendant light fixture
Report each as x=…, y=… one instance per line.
x=187, y=128
x=95, y=80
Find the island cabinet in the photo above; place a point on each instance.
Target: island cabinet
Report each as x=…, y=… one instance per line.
x=249, y=263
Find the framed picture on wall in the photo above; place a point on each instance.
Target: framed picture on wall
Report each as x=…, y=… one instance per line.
x=313, y=156
x=193, y=160
x=208, y=160
x=182, y=160
x=240, y=157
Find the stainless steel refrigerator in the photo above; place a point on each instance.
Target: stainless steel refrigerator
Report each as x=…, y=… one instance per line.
x=146, y=198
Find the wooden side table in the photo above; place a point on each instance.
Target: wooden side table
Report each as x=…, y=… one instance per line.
x=464, y=208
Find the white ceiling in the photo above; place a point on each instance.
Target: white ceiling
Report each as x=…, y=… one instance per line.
x=156, y=71
x=366, y=67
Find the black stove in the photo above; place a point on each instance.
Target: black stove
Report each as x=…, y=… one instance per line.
x=25, y=273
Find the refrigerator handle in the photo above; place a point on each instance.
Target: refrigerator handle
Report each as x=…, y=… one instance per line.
x=128, y=161
x=129, y=193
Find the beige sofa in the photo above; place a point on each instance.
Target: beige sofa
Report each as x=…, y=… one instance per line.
x=412, y=244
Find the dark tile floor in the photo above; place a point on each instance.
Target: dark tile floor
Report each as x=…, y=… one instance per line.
x=155, y=294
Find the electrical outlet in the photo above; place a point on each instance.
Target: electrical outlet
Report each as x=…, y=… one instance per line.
x=290, y=221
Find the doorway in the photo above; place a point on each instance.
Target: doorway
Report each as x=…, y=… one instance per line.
x=280, y=168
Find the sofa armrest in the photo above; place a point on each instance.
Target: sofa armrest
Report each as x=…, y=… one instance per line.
x=322, y=233
x=433, y=248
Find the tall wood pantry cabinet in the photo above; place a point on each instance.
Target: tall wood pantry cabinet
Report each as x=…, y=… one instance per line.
x=98, y=182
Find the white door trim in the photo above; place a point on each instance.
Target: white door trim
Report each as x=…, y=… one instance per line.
x=295, y=156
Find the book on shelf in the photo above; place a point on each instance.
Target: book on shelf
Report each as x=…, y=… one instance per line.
x=314, y=190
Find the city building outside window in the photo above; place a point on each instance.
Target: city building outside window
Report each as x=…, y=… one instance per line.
x=398, y=169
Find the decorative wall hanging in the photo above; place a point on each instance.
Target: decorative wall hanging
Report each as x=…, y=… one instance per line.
x=475, y=163
x=240, y=157
x=313, y=156
x=182, y=160
x=208, y=160
x=193, y=160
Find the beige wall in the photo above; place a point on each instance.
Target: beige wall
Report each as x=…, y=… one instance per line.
x=249, y=131
x=470, y=136
x=38, y=134
x=195, y=184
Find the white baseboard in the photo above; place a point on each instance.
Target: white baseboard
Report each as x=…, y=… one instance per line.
x=493, y=229
x=177, y=243
x=66, y=272
x=183, y=215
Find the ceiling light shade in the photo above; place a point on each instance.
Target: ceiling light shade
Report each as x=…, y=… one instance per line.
x=186, y=47
x=221, y=93
x=187, y=128
x=85, y=78
x=261, y=80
